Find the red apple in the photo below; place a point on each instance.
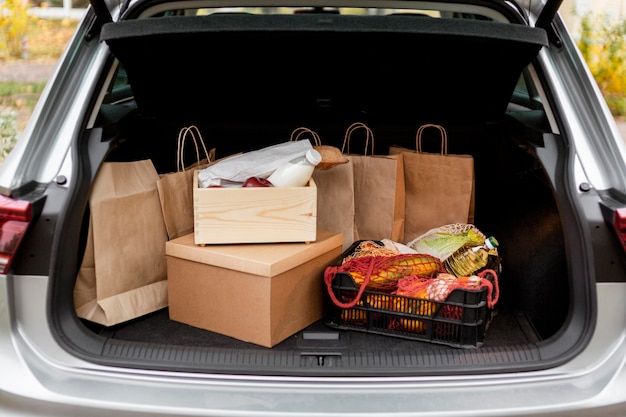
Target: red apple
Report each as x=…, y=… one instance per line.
x=257, y=182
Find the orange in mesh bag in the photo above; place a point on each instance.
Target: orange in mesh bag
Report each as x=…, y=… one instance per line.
x=425, y=295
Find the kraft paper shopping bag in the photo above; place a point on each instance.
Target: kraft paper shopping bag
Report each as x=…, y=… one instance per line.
x=439, y=187
x=176, y=188
x=378, y=189
x=123, y=273
x=335, y=188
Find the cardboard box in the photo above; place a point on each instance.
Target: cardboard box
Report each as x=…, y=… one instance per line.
x=254, y=215
x=259, y=293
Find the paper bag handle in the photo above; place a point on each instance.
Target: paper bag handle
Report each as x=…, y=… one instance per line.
x=295, y=135
x=444, y=138
x=369, y=135
x=182, y=137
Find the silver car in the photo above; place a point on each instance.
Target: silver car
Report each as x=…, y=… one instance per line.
x=506, y=81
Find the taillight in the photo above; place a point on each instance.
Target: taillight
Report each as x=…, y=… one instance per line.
x=619, y=224
x=15, y=215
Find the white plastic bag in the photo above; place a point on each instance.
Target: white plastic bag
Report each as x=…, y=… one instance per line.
x=260, y=163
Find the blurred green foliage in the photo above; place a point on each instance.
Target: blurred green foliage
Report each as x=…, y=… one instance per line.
x=603, y=45
x=14, y=21
x=8, y=133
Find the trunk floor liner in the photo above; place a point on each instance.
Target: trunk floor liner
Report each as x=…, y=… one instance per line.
x=505, y=329
x=156, y=342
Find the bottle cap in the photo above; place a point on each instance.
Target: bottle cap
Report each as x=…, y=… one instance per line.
x=313, y=156
x=491, y=243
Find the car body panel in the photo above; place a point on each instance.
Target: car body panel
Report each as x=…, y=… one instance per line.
x=591, y=381
x=52, y=374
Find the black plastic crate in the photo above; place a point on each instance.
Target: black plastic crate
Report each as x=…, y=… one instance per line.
x=459, y=321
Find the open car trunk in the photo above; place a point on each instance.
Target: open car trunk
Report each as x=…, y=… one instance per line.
x=248, y=81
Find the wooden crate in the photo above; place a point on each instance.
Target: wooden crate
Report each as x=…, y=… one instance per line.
x=254, y=215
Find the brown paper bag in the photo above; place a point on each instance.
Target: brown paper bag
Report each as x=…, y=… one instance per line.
x=378, y=190
x=335, y=192
x=439, y=187
x=331, y=155
x=123, y=274
x=176, y=189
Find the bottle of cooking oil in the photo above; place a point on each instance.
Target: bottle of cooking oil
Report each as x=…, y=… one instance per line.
x=467, y=260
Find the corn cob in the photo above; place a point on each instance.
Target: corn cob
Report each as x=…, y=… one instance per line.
x=388, y=270
x=380, y=272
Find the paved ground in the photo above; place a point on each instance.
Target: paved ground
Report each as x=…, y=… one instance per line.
x=26, y=71
x=33, y=71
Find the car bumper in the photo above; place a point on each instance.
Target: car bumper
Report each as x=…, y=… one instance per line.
x=39, y=378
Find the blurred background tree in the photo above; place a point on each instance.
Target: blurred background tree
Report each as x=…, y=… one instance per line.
x=14, y=20
x=602, y=43
x=599, y=28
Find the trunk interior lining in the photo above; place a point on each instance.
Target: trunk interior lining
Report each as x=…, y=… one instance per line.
x=296, y=66
x=346, y=69
x=534, y=283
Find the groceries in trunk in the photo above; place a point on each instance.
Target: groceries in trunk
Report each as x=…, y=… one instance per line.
x=408, y=268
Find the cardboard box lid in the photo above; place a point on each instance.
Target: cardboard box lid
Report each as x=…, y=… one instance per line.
x=265, y=259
